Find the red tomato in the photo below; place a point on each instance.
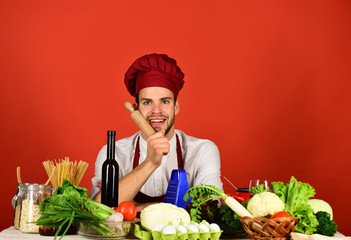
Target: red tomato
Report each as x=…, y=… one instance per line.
x=281, y=214
x=128, y=210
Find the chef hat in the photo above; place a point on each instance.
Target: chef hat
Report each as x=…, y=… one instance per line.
x=154, y=70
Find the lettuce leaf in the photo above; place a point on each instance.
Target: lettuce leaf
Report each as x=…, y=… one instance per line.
x=295, y=195
x=281, y=190
x=259, y=189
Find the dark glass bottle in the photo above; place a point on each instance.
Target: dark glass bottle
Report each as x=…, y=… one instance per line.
x=110, y=170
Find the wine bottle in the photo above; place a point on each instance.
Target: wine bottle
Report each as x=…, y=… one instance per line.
x=110, y=171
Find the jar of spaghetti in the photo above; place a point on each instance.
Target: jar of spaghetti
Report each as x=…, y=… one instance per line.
x=31, y=196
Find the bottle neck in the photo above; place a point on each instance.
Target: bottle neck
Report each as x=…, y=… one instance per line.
x=111, y=144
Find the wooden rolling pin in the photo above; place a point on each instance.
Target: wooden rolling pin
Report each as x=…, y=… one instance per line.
x=140, y=121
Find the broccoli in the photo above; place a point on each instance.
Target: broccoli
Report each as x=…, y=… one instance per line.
x=326, y=226
x=230, y=218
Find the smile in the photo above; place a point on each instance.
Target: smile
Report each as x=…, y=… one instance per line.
x=157, y=121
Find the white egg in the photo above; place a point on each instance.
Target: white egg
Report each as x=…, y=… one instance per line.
x=169, y=229
x=215, y=227
x=193, y=228
x=204, y=227
x=205, y=222
x=182, y=229
x=158, y=227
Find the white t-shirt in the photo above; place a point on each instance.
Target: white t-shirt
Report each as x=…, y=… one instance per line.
x=200, y=156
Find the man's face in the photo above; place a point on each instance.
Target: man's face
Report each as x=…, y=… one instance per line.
x=159, y=107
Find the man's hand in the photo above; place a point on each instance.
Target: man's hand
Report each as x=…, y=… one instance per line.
x=157, y=145
x=129, y=186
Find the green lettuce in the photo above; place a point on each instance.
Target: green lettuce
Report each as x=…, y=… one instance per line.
x=295, y=195
x=70, y=205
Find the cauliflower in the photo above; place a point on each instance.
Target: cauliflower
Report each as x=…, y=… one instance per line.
x=264, y=204
x=163, y=213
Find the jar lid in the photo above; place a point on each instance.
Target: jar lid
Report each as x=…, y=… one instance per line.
x=35, y=186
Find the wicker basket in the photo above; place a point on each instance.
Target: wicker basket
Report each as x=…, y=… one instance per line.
x=265, y=228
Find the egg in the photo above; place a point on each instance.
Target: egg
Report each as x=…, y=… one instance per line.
x=204, y=227
x=182, y=229
x=193, y=228
x=158, y=227
x=215, y=227
x=169, y=229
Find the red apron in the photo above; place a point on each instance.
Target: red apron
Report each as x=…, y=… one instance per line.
x=141, y=197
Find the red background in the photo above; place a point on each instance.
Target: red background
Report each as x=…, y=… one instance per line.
x=267, y=81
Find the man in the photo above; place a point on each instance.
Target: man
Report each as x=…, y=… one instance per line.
x=155, y=81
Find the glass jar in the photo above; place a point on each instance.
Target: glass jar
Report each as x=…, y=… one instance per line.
x=16, y=204
x=31, y=195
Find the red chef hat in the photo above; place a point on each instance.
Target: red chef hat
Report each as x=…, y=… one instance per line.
x=154, y=70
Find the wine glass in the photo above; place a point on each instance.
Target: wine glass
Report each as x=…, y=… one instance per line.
x=255, y=182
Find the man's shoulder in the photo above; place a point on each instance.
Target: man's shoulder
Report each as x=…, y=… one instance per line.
x=194, y=142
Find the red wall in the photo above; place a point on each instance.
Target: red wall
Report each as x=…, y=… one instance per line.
x=267, y=81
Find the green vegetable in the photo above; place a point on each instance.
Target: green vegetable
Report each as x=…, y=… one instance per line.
x=308, y=221
x=69, y=205
x=203, y=193
x=281, y=190
x=319, y=205
x=295, y=195
x=199, y=196
x=229, y=217
x=298, y=193
x=258, y=189
x=326, y=226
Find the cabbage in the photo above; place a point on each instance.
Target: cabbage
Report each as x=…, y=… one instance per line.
x=319, y=205
x=163, y=213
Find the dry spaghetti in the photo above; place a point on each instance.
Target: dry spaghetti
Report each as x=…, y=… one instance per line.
x=72, y=171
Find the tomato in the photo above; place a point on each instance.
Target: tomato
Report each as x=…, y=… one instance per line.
x=128, y=210
x=281, y=214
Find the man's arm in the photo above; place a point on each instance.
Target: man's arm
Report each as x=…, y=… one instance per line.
x=209, y=166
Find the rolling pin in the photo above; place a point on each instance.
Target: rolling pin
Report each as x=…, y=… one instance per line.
x=140, y=121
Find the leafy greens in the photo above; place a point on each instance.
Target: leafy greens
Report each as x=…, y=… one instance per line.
x=295, y=195
x=199, y=196
x=70, y=205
